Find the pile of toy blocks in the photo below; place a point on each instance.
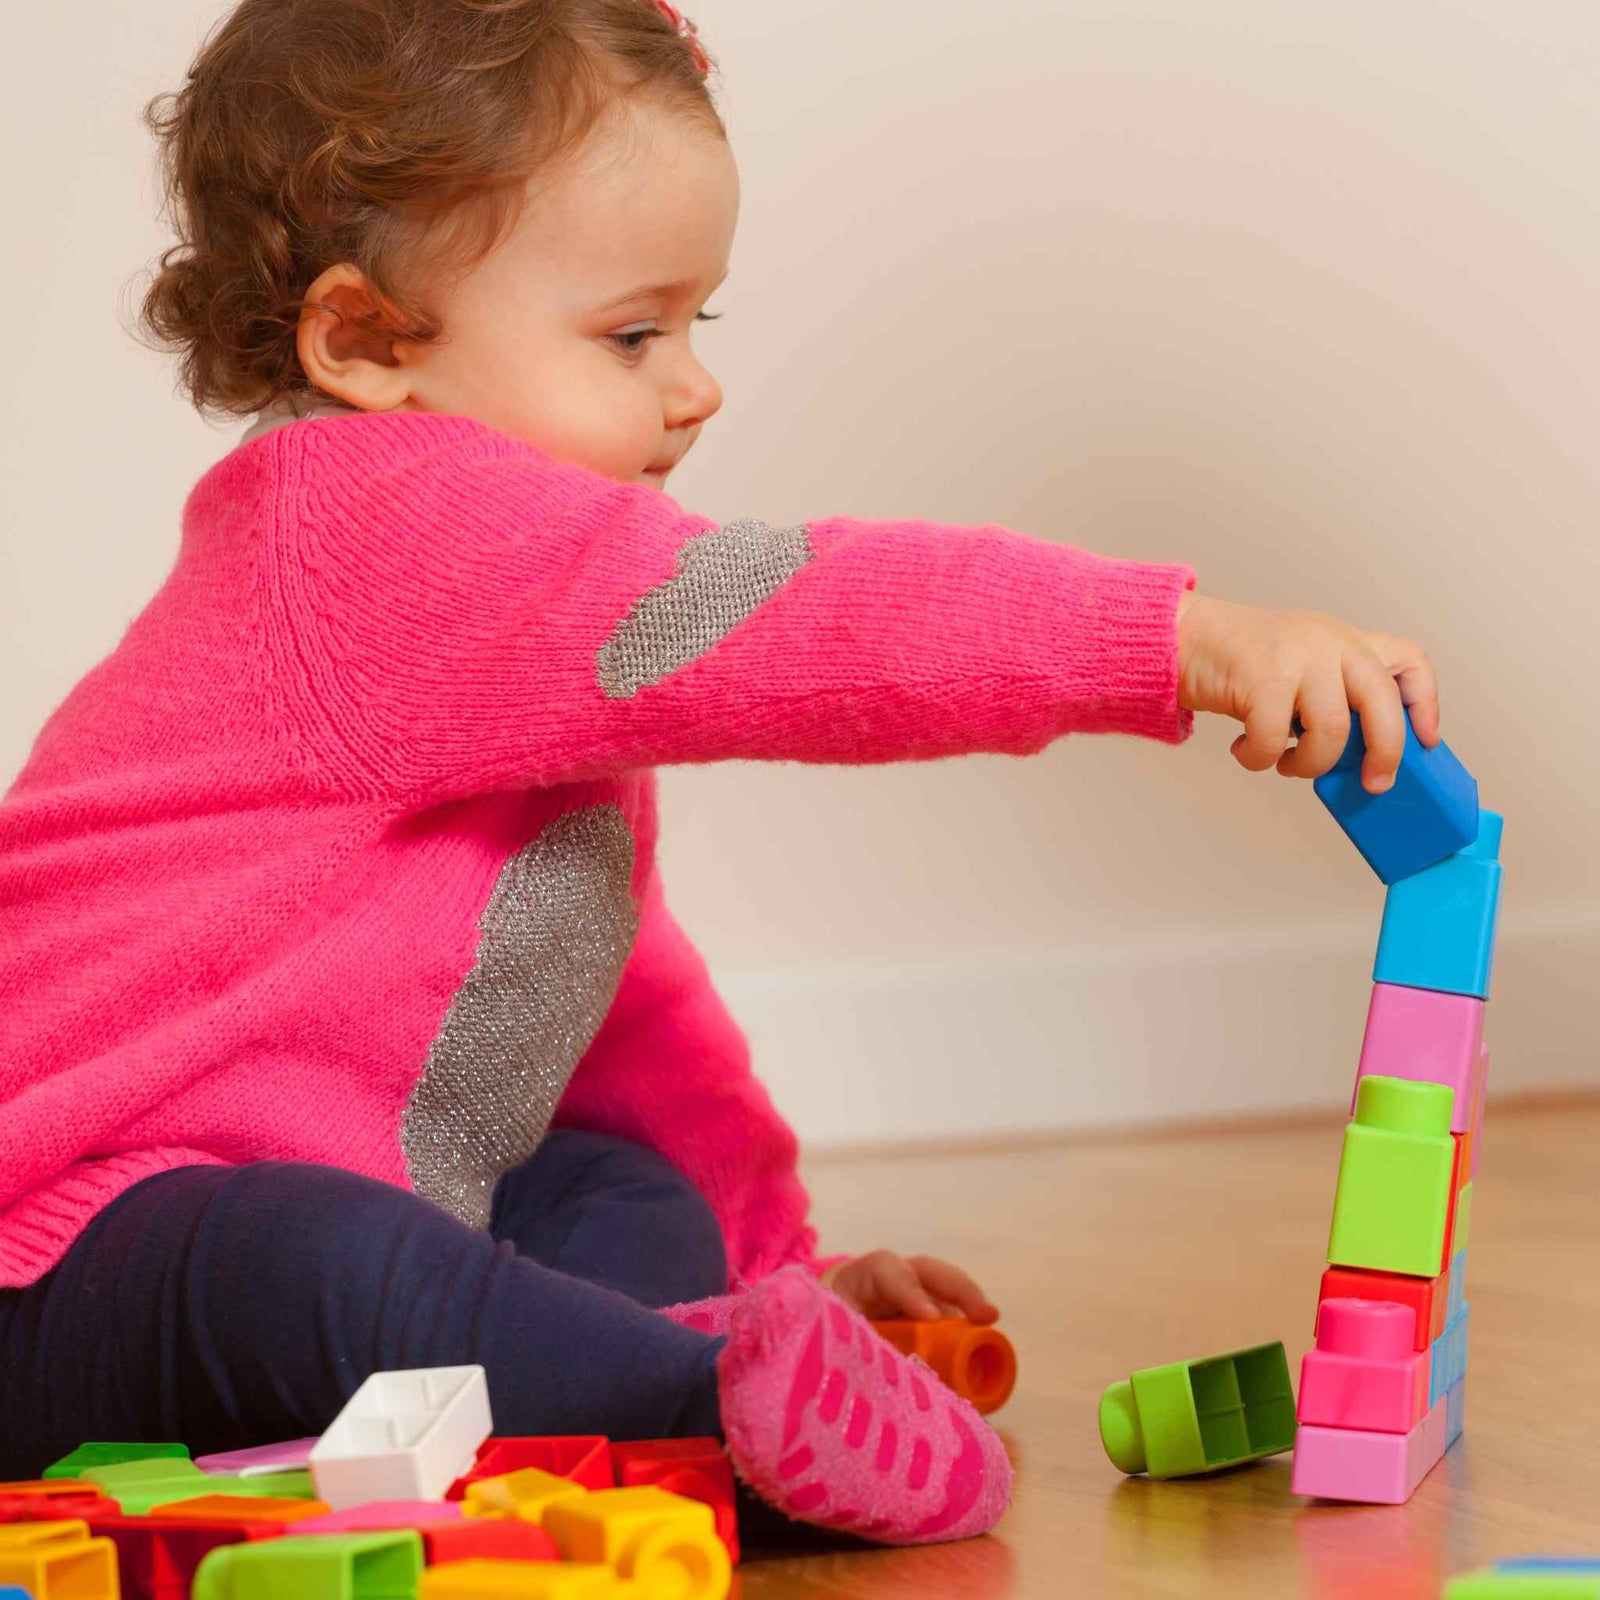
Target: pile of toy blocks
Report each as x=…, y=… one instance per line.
x=408, y=1496
x=1383, y=1392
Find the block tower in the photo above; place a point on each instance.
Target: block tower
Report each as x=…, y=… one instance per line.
x=1382, y=1393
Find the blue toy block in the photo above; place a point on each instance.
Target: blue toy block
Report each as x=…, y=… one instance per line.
x=1438, y=1369
x=1439, y=926
x=1455, y=1335
x=11, y=1592
x=1455, y=1413
x=1456, y=1298
x=1430, y=813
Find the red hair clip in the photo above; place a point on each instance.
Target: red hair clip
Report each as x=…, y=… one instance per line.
x=687, y=32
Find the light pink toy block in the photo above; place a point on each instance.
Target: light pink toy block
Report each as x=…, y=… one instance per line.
x=262, y=1459
x=380, y=1516
x=1427, y=1037
x=1363, y=1372
x=1480, y=1095
x=1381, y=1469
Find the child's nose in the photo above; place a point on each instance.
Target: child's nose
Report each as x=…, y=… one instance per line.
x=692, y=396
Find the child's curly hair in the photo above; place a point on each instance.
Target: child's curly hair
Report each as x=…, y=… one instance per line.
x=379, y=132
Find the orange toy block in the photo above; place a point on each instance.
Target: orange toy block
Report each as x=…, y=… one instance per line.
x=977, y=1363
x=226, y=1510
x=698, y=1469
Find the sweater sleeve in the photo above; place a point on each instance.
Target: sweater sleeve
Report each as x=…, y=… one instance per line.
x=670, y=1069
x=485, y=617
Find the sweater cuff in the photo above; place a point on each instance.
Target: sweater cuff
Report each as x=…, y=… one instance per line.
x=1129, y=644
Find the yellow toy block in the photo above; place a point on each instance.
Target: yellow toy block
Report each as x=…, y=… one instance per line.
x=60, y=1566
x=526, y=1494
x=664, y=1542
x=17, y=1535
x=484, y=1579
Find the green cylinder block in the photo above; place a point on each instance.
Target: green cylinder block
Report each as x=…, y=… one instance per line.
x=1200, y=1416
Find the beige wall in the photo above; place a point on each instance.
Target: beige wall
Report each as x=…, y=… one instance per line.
x=1303, y=295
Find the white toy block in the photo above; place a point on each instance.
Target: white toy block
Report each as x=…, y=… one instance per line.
x=403, y=1436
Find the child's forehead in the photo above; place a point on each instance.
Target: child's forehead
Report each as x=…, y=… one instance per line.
x=656, y=204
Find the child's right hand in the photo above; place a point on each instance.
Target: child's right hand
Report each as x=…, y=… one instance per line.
x=1265, y=667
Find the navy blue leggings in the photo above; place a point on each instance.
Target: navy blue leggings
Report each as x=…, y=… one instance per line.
x=235, y=1306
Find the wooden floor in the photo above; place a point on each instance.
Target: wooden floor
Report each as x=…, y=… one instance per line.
x=1108, y=1256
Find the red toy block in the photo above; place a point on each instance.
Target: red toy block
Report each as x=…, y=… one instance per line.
x=485, y=1538
x=1363, y=1372
x=81, y=1507
x=584, y=1458
x=1459, y=1176
x=157, y=1556
x=698, y=1469
x=977, y=1363
x=1425, y=1297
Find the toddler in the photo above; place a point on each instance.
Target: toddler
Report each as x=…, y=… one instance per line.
x=343, y=1022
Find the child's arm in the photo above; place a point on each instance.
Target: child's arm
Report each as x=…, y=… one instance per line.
x=480, y=616
x=670, y=1069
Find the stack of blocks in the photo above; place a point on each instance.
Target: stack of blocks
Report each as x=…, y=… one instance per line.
x=1382, y=1393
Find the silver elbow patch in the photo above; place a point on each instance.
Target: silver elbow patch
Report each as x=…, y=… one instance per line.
x=722, y=576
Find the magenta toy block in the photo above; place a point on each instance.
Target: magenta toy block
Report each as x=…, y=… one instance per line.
x=1363, y=1372
x=1480, y=1096
x=1374, y=1468
x=1428, y=1037
x=383, y=1516
x=263, y=1458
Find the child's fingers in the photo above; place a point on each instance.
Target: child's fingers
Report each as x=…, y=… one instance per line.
x=955, y=1288
x=898, y=1288
x=1266, y=729
x=1407, y=662
x=1375, y=696
x=1325, y=723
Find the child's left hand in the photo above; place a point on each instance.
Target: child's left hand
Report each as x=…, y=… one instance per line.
x=882, y=1284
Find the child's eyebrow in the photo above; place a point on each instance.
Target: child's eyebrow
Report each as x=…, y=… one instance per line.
x=657, y=291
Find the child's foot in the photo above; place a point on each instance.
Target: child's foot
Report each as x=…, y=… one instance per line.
x=831, y=1424
x=706, y=1316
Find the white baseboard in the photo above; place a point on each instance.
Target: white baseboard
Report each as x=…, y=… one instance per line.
x=1134, y=1029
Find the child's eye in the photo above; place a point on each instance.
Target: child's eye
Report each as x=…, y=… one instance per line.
x=632, y=341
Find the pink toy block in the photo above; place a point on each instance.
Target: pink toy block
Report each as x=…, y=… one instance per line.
x=1479, y=1096
x=1427, y=1037
x=382, y=1516
x=1373, y=1468
x=1363, y=1373
x=262, y=1459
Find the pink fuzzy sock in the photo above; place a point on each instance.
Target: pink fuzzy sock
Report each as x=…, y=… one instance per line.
x=714, y=1315
x=832, y=1425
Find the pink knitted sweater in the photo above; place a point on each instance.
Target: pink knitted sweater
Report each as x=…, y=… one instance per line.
x=346, y=854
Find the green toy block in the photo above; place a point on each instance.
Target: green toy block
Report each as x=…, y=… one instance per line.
x=136, y=1486
x=1200, y=1416
x=324, y=1566
x=100, y=1453
x=1463, y=1219
x=1392, y=1204
x=295, y=1485
x=1501, y=1583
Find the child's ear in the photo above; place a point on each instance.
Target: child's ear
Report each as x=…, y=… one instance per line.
x=339, y=355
